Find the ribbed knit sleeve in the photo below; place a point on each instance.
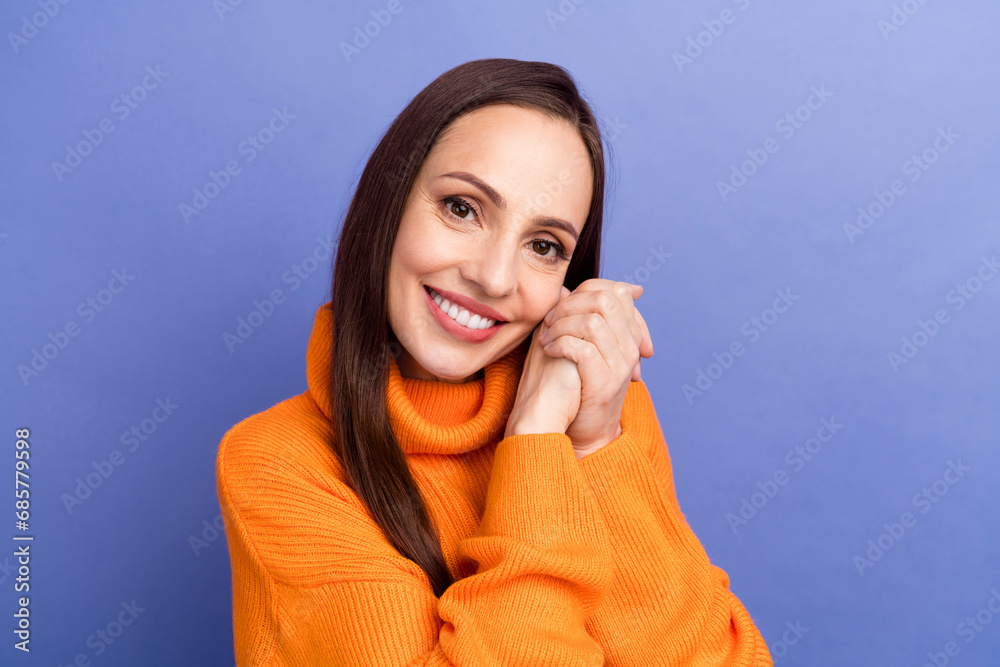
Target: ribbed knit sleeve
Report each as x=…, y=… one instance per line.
x=315, y=582
x=665, y=590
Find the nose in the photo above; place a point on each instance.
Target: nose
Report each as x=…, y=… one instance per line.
x=493, y=266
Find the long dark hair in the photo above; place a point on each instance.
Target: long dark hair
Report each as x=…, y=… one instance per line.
x=373, y=461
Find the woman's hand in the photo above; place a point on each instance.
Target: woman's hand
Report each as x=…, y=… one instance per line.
x=598, y=327
x=548, y=394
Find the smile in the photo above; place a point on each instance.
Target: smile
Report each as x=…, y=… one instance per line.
x=460, y=315
x=460, y=322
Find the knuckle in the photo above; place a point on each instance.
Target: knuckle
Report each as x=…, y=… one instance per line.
x=605, y=300
x=593, y=323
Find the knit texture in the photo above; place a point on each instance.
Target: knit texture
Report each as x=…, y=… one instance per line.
x=556, y=561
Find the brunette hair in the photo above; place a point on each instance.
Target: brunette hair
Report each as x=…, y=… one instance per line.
x=373, y=461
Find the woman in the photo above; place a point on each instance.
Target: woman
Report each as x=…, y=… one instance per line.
x=476, y=474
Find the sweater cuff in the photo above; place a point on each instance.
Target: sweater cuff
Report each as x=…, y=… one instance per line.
x=539, y=506
x=623, y=480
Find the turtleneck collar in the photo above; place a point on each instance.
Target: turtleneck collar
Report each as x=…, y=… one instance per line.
x=428, y=416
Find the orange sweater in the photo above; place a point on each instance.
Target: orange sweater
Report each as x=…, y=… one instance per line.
x=556, y=561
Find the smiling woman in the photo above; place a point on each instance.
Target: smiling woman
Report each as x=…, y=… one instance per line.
x=472, y=224
x=476, y=474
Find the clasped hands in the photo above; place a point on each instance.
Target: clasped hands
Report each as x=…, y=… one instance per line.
x=582, y=357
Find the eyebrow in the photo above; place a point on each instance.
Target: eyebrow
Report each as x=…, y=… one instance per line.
x=501, y=203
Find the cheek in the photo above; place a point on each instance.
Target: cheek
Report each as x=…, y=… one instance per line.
x=412, y=255
x=541, y=299
x=424, y=247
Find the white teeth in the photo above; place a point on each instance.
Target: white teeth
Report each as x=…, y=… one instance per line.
x=461, y=315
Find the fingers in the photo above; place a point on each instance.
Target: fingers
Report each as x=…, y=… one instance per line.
x=626, y=294
x=646, y=345
x=589, y=361
x=618, y=351
x=588, y=298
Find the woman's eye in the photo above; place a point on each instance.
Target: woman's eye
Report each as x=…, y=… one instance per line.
x=459, y=208
x=546, y=246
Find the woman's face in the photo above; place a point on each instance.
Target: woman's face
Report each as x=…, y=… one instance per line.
x=491, y=221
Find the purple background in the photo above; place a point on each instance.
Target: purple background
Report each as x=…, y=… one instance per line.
x=677, y=128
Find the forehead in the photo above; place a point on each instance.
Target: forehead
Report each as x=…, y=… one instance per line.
x=498, y=127
x=521, y=153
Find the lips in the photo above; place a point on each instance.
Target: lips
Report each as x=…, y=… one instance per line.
x=471, y=305
x=459, y=331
